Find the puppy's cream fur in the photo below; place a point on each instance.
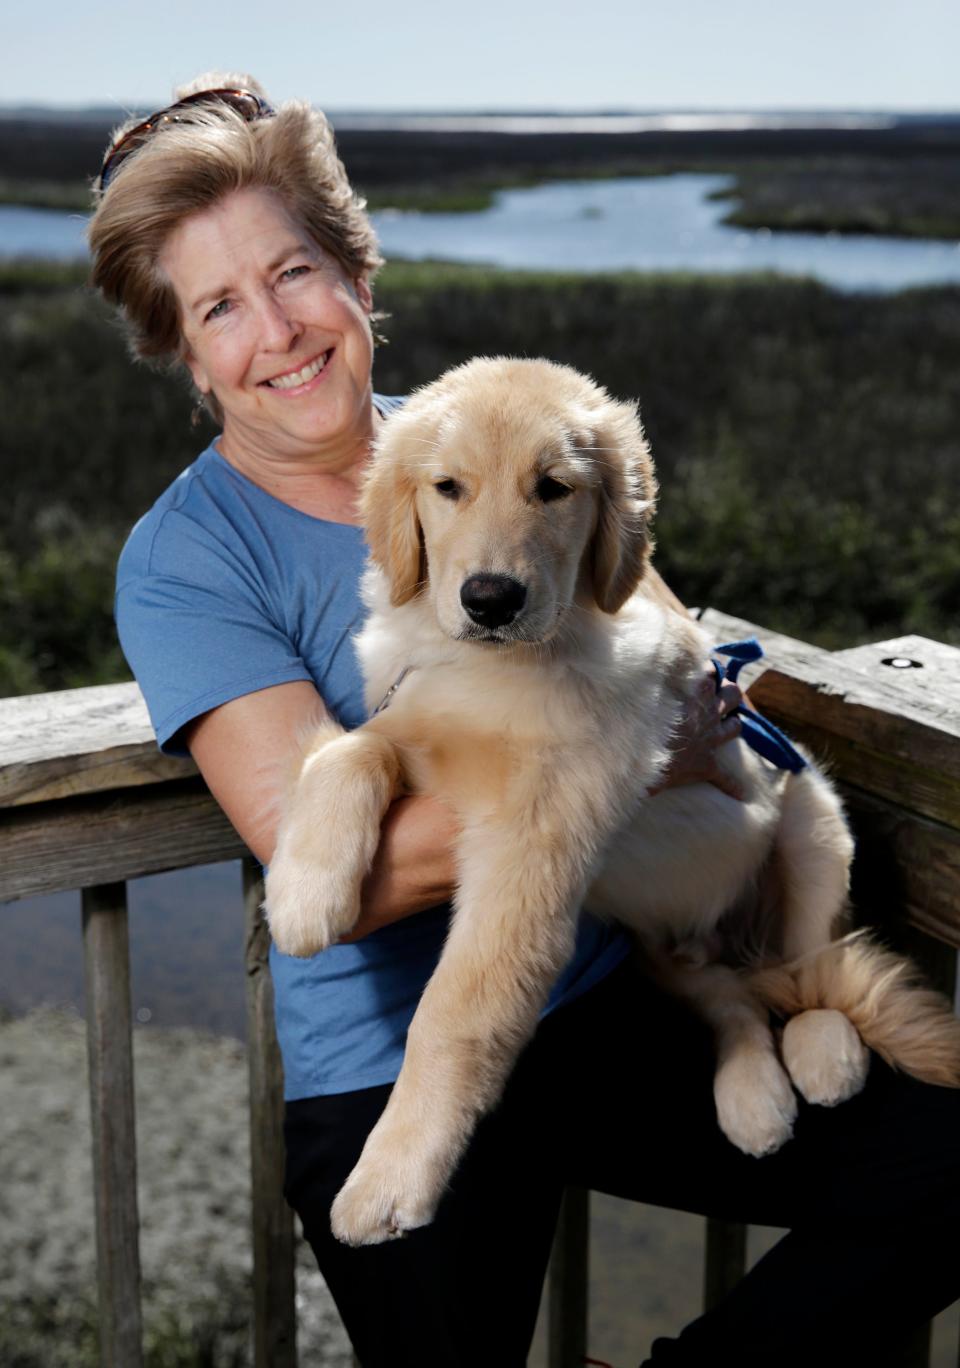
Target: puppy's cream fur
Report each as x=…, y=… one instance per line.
x=545, y=733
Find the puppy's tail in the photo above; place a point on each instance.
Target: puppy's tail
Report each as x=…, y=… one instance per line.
x=909, y=1025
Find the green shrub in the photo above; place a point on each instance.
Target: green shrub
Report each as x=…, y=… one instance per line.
x=807, y=441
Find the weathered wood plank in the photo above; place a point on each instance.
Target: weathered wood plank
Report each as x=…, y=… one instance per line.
x=875, y=758
x=77, y=741
x=77, y=843
x=725, y=1260
x=930, y=694
x=938, y=961
x=915, y=1351
x=882, y=732
x=569, y=1282
x=888, y=710
x=907, y=868
x=274, y=1290
x=938, y=681
x=933, y=670
x=110, y=1059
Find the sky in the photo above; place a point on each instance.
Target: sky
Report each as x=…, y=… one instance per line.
x=495, y=54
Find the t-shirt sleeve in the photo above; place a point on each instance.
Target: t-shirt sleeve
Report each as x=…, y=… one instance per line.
x=194, y=629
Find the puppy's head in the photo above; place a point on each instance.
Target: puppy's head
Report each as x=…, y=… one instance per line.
x=508, y=490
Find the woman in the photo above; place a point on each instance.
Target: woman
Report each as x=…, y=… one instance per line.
x=229, y=237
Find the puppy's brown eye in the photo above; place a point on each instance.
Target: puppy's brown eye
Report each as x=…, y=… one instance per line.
x=448, y=488
x=549, y=489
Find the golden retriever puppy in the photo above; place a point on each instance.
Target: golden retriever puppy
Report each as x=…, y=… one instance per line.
x=507, y=510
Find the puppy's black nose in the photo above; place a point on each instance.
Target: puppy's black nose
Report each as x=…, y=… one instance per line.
x=492, y=600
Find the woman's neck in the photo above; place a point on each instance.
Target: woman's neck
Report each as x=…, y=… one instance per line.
x=324, y=483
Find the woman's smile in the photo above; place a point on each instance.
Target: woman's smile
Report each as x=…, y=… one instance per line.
x=300, y=378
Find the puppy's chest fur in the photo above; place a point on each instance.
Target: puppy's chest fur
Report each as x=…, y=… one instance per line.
x=577, y=732
x=587, y=720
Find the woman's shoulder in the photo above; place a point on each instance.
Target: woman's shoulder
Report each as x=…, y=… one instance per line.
x=186, y=495
x=389, y=403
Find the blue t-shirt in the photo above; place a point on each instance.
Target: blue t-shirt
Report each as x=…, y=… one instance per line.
x=223, y=590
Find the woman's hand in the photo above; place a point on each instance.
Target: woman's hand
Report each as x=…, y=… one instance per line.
x=706, y=724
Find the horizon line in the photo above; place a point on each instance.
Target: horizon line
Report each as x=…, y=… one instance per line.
x=527, y=111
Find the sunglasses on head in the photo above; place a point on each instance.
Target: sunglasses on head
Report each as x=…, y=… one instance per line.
x=249, y=106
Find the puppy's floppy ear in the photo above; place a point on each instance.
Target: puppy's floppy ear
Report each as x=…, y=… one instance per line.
x=388, y=507
x=622, y=542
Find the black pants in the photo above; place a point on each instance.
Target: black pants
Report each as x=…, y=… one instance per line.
x=615, y=1094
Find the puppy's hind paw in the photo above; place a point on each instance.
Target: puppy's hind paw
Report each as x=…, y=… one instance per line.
x=756, y=1106
x=825, y=1056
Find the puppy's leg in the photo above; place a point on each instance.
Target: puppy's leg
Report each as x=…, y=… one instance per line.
x=814, y=850
x=756, y=1106
x=512, y=933
x=328, y=837
x=822, y=1051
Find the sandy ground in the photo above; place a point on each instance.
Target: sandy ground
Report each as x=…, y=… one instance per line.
x=193, y=1154
x=646, y=1264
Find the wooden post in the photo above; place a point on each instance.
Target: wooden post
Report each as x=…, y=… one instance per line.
x=725, y=1262
x=110, y=1062
x=274, y=1284
x=568, y=1286
x=916, y=1348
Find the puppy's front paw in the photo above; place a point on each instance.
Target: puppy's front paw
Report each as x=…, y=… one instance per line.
x=756, y=1106
x=309, y=905
x=381, y=1202
x=825, y=1056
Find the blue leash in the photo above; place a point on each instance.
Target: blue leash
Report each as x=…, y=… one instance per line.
x=758, y=732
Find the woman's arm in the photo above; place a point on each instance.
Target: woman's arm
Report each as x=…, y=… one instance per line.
x=248, y=751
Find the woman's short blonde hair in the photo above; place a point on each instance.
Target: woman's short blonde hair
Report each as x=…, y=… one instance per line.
x=186, y=167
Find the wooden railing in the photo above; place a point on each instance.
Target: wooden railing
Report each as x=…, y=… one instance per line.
x=86, y=801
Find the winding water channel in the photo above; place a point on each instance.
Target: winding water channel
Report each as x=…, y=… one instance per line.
x=663, y=223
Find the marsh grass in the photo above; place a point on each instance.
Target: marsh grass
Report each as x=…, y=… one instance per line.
x=36, y=276
x=893, y=197
x=194, y=1197
x=45, y=194
x=807, y=441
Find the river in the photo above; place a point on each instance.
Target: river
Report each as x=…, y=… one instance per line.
x=656, y=223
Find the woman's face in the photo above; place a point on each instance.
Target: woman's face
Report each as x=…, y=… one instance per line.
x=275, y=330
